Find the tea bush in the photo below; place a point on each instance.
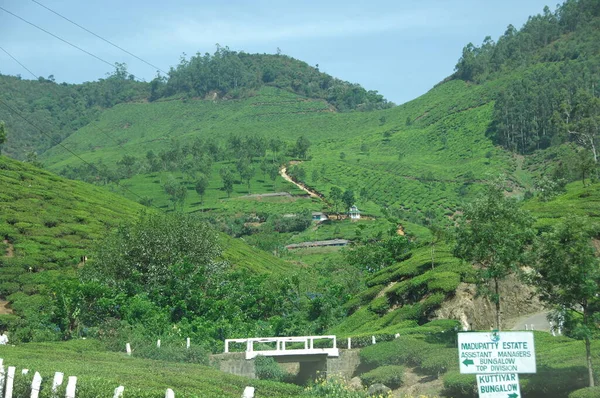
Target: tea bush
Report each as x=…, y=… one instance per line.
x=390, y=375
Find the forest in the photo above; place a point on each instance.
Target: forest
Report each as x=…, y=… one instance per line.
x=551, y=94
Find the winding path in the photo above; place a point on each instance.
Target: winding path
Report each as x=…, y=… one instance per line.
x=284, y=174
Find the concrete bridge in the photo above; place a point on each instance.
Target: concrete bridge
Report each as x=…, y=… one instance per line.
x=297, y=355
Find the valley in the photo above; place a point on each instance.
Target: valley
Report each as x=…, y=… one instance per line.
x=185, y=207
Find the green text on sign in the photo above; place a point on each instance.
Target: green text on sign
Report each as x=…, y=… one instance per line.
x=496, y=352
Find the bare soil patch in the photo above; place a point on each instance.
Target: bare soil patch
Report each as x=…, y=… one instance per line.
x=10, y=251
x=5, y=308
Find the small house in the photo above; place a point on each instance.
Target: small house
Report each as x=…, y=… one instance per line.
x=354, y=213
x=318, y=216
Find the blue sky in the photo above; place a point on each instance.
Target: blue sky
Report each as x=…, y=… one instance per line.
x=399, y=48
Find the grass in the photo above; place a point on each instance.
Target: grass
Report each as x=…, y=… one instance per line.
x=416, y=167
x=100, y=372
x=578, y=200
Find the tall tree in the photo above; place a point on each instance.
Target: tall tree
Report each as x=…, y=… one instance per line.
x=348, y=199
x=567, y=275
x=301, y=148
x=493, y=235
x=336, y=196
x=200, y=186
x=2, y=134
x=227, y=177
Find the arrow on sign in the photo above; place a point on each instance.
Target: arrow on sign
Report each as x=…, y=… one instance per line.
x=513, y=395
x=468, y=362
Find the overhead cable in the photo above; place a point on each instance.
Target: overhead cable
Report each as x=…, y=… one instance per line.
x=98, y=36
x=17, y=61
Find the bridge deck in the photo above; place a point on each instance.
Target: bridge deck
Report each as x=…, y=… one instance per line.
x=282, y=350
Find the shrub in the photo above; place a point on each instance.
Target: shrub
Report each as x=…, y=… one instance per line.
x=589, y=392
x=460, y=386
x=332, y=388
x=439, y=361
x=380, y=305
x=268, y=369
x=391, y=375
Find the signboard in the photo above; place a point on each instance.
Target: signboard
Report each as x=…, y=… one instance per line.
x=496, y=352
x=499, y=386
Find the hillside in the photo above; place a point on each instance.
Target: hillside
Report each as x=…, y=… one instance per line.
x=61, y=109
x=48, y=224
x=240, y=148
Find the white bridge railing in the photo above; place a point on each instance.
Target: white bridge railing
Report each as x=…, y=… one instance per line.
x=281, y=349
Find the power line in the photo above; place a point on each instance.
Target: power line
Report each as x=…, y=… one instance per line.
x=59, y=38
x=33, y=74
x=100, y=37
x=17, y=61
x=59, y=143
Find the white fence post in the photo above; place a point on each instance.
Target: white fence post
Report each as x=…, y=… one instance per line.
x=226, y=346
x=248, y=392
x=169, y=393
x=57, y=381
x=158, y=343
x=119, y=392
x=334, y=342
x=187, y=343
x=35, y=385
x=532, y=327
x=2, y=378
x=128, y=349
x=10, y=380
x=373, y=340
x=349, y=343
x=71, y=386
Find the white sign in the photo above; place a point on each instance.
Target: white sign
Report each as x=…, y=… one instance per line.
x=499, y=386
x=496, y=352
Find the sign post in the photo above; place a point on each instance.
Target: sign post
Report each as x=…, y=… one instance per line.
x=499, y=386
x=497, y=358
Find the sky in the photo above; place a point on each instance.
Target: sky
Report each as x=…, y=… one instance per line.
x=401, y=48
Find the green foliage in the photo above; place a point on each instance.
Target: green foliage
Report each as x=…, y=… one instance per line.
x=59, y=109
x=235, y=74
x=2, y=133
x=459, y=385
x=568, y=276
x=410, y=351
x=588, y=392
x=110, y=370
x=158, y=251
x=268, y=369
x=493, y=234
x=331, y=388
x=390, y=375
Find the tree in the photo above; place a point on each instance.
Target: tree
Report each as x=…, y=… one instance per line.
x=301, y=148
x=275, y=145
x=336, y=196
x=162, y=255
x=348, y=199
x=2, y=134
x=200, y=186
x=273, y=174
x=227, y=177
x=247, y=173
x=493, y=235
x=567, y=274
x=176, y=191
x=127, y=162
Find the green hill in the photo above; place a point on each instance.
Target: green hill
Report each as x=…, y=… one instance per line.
x=48, y=224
